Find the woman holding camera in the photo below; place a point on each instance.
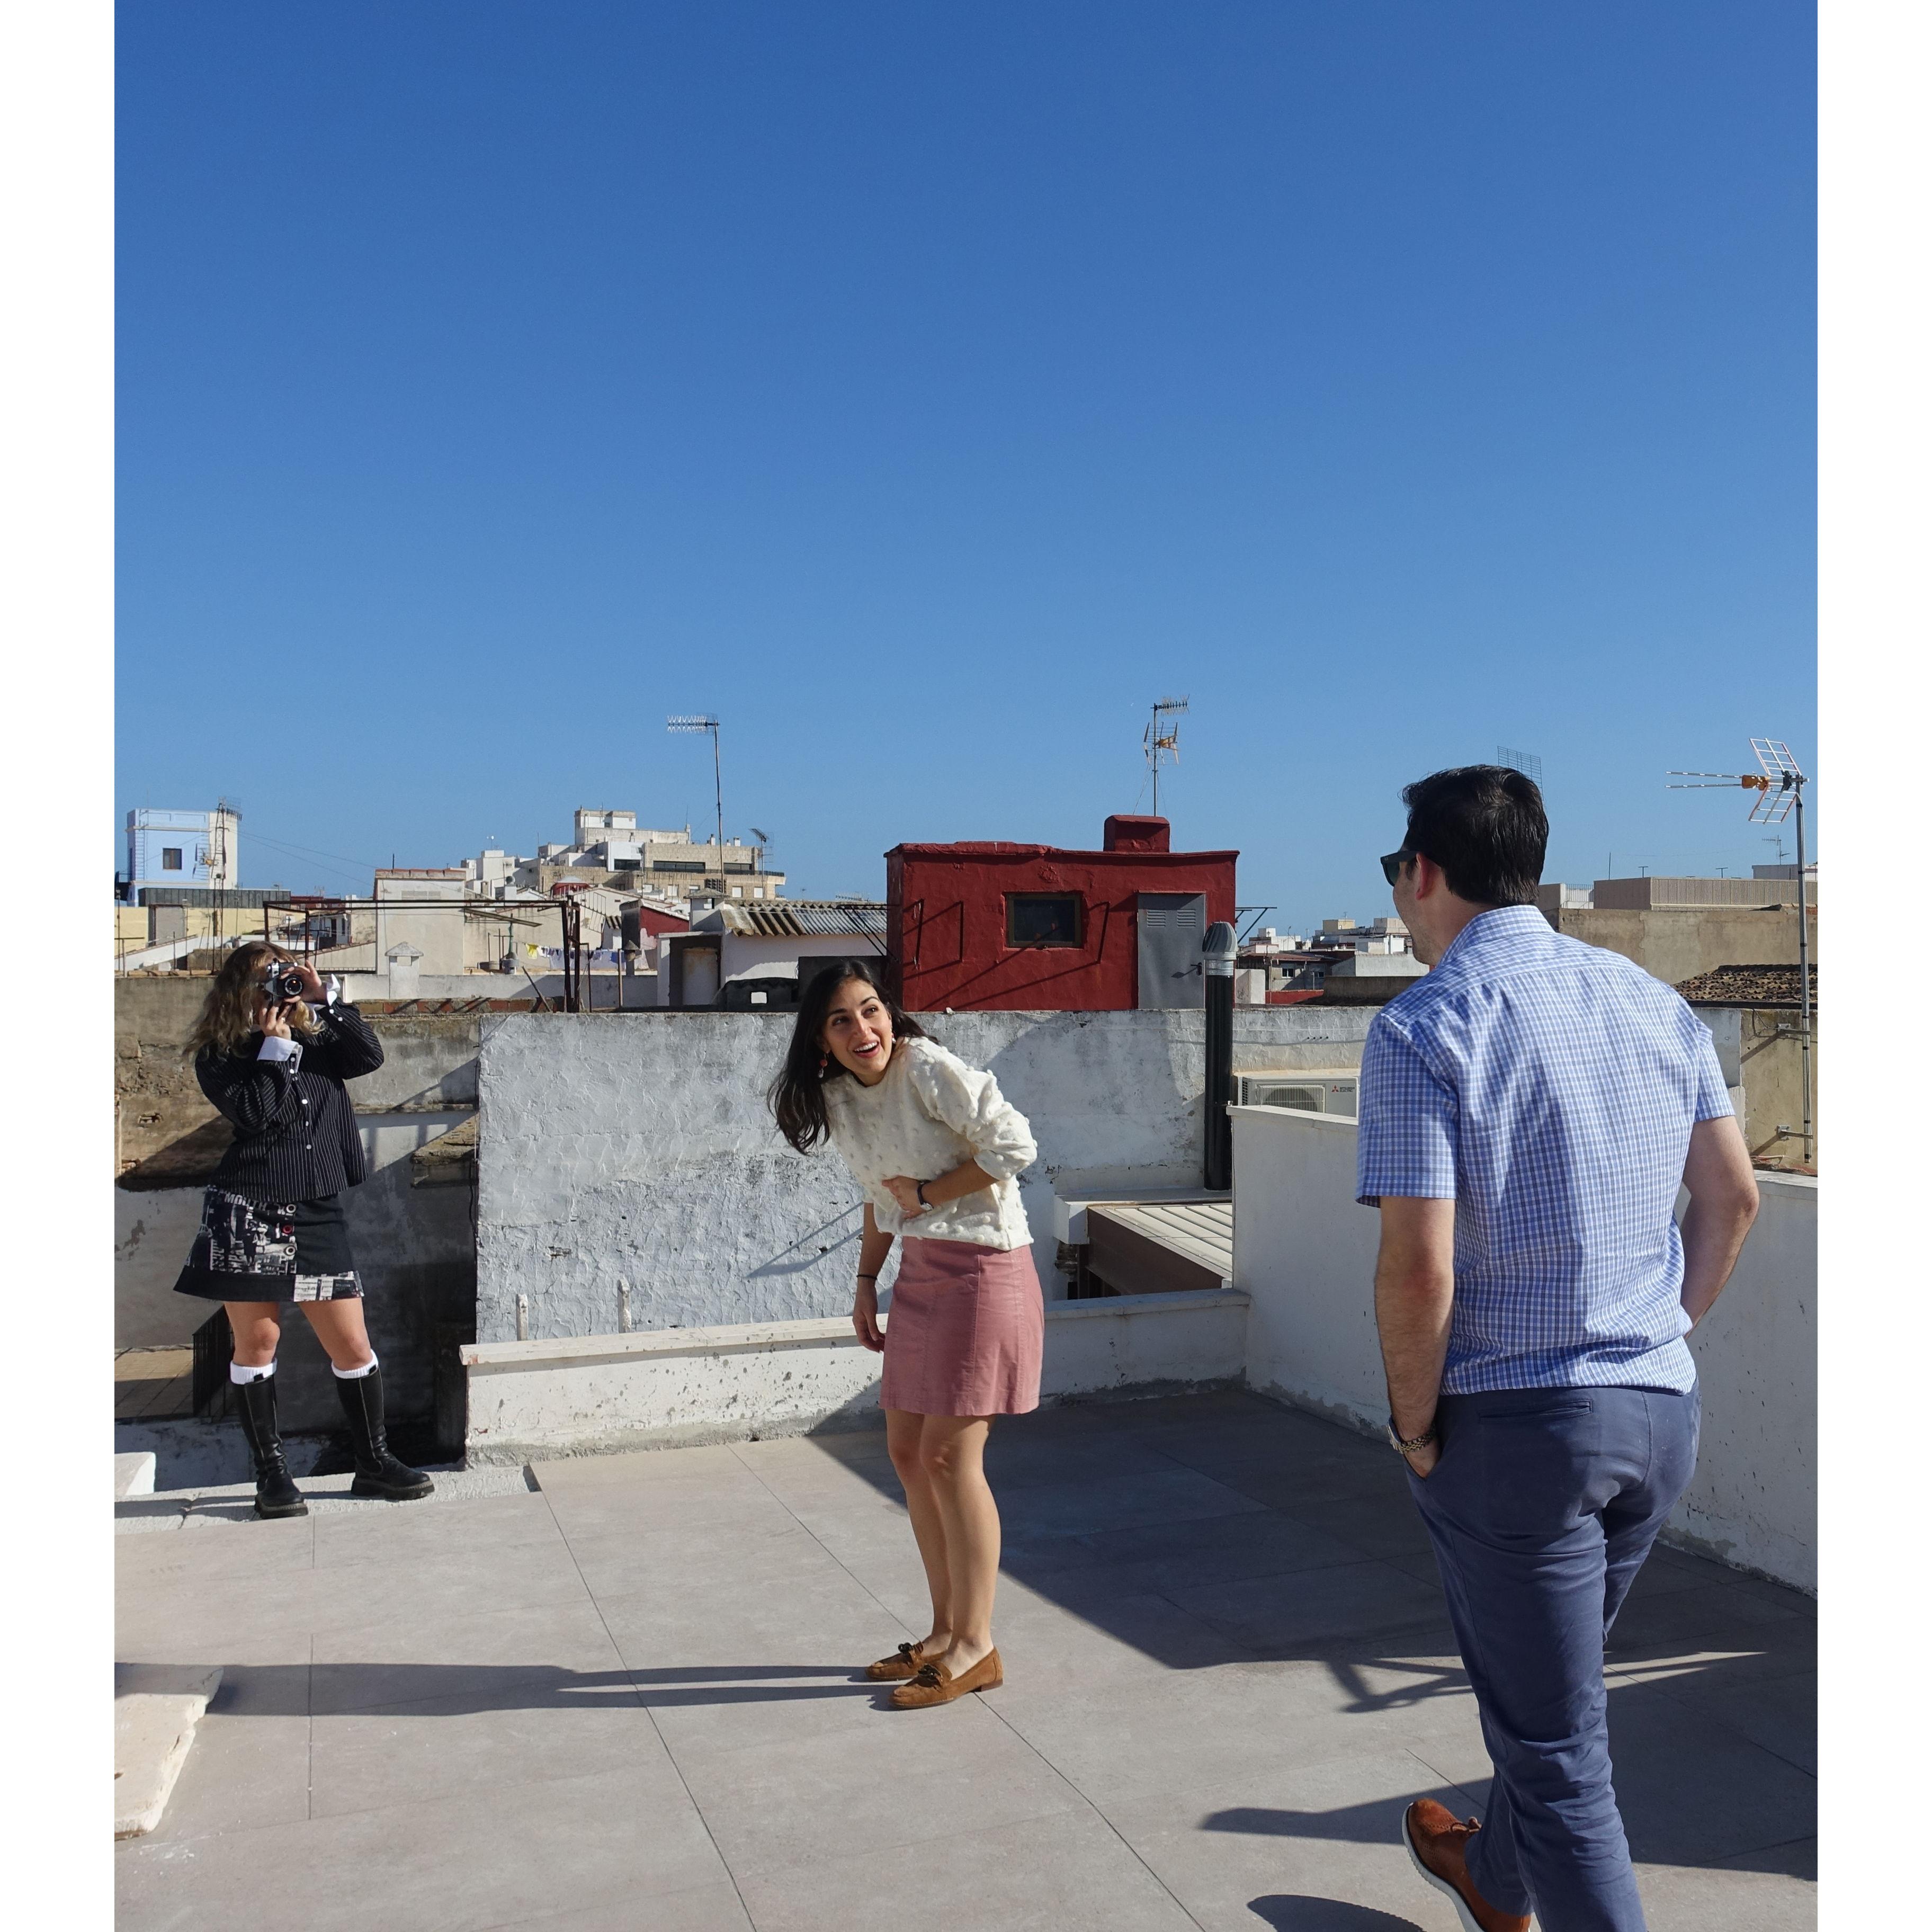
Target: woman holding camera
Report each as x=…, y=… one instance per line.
x=273, y=1049
x=936, y=1151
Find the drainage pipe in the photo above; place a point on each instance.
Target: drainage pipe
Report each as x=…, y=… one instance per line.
x=1217, y=1135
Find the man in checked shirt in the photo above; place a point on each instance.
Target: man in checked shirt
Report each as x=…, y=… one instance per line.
x=1528, y=1110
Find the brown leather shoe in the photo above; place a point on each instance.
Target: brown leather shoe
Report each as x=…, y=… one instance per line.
x=936, y=1684
x=1438, y=1847
x=904, y=1662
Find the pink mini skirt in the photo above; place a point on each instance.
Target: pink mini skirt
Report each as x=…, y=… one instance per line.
x=963, y=1330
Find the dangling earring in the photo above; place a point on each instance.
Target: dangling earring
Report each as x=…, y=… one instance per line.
x=824, y=1061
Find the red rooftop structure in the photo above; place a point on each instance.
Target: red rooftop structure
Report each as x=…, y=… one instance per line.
x=1032, y=927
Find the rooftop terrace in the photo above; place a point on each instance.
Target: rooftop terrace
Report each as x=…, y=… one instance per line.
x=625, y=1694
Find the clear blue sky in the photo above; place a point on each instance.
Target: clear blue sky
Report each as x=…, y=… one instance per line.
x=926, y=389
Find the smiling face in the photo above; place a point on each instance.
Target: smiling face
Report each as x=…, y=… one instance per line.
x=858, y=1032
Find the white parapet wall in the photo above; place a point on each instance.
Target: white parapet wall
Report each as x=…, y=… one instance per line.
x=1305, y=1251
x=631, y=1159
x=1754, y=1499
x=586, y=1395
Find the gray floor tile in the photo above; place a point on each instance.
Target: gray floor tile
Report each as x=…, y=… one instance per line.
x=742, y=1558
x=1068, y=1872
x=726, y=1505
x=1314, y=1848
x=553, y=1651
x=1780, y=1715
x=1678, y=1617
x=702, y=1711
x=1759, y=1653
x=427, y=1586
x=241, y=1771
x=1290, y=1482
x=710, y=1908
x=1377, y=1525
x=822, y=1619
x=1041, y=1642
x=1195, y=1729
x=1163, y=1557
x=415, y=1535
x=240, y=1549
x=1302, y=1612
x=583, y=1475
x=1693, y=1791
x=1734, y=1897
x=403, y=1754
x=1087, y=1508
x=490, y=1857
x=776, y=1806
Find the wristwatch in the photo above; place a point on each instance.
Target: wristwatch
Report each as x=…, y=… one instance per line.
x=919, y=1188
x=1414, y=1443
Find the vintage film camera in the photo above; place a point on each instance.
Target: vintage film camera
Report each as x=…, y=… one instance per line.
x=283, y=984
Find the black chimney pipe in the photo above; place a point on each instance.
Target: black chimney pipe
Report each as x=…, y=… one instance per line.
x=1217, y=1137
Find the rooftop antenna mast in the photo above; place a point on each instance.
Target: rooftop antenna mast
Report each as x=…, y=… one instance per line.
x=1780, y=786
x=1159, y=744
x=706, y=722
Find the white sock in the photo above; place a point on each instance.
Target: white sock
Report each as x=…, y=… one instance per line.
x=237, y=1373
x=368, y=1368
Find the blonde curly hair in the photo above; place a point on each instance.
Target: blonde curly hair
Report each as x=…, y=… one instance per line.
x=229, y=1015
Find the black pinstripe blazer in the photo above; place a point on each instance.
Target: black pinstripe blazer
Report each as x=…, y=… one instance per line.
x=295, y=1130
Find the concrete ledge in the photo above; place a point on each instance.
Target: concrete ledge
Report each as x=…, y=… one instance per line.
x=156, y=1708
x=134, y=1474
x=671, y=1388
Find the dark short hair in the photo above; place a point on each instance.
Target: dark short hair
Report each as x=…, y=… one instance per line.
x=1484, y=825
x=796, y=1097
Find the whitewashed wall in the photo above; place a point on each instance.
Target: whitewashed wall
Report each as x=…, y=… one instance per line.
x=635, y=1151
x=1305, y=1252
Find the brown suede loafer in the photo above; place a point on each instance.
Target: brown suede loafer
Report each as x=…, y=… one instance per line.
x=904, y=1662
x=1438, y=1847
x=936, y=1684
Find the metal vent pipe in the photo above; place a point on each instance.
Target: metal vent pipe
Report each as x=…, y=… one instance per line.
x=1217, y=1133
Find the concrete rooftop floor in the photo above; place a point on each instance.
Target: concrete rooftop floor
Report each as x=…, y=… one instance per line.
x=630, y=1699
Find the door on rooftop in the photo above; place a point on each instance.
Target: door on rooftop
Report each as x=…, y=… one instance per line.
x=1171, y=927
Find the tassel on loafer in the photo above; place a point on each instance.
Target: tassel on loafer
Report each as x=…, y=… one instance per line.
x=935, y=1684
x=905, y=1662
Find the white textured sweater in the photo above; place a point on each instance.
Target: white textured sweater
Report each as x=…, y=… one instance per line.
x=931, y=1114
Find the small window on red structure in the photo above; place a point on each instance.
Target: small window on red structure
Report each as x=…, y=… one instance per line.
x=1043, y=919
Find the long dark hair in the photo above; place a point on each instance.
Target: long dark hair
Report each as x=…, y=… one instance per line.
x=228, y=1020
x=797, y=1096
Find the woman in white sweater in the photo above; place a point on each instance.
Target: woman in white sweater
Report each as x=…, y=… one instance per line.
x=937, y=1152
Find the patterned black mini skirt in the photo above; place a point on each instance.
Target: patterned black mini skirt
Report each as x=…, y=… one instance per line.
x=272, y=1251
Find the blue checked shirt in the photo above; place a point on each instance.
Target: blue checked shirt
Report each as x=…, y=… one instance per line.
x=1548, y=1088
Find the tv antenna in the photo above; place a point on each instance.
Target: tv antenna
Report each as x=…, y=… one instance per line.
x=1780, y=786
x=1527, y=762
x=706, y=722
x=1159, y=744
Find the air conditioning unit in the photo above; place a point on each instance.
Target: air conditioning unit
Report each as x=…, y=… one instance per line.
x=1315, y=1089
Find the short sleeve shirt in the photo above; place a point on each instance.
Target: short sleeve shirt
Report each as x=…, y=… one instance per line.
x=1548, y=1089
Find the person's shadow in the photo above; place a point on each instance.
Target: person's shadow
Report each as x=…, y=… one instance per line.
x=1295, y=1912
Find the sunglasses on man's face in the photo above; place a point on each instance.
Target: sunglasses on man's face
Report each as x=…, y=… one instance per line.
x=1394, y=862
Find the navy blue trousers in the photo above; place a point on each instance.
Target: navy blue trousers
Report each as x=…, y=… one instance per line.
x=1542, y=1509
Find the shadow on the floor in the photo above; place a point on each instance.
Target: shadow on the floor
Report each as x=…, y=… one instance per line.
x=303, y=1690
x=1296, y=1912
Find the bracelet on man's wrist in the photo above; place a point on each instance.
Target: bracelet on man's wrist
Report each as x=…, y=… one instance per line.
x=868, y=1277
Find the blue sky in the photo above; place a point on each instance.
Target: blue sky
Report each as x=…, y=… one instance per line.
x=924, y=390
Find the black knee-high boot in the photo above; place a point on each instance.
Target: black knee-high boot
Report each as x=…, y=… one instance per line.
x=275, y=1491
x=377, y=1472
